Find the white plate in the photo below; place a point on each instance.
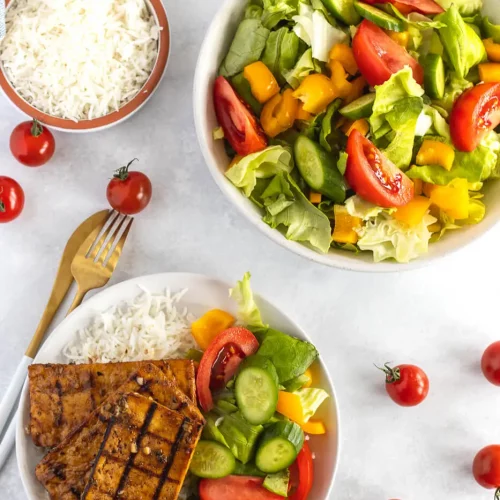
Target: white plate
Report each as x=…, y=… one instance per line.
x=204, y=293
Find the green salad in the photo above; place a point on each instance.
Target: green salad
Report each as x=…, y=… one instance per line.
x=366, y=126
x=256, y=387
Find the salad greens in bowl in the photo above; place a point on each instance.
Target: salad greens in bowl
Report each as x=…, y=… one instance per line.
x=361, y=134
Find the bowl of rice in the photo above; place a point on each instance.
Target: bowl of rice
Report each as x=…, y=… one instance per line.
x=83, y=65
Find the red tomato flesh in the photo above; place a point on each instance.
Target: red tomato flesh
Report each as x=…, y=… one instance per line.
x=235, y=488
x=373, y=176
x=32, y=144
x=221, y=360
x=428, y=7
x=239, y=124
x=486, y=467
x=474, y=114
x=11, y=199
x=378, y=56
x=302, y=474
x=490, y=363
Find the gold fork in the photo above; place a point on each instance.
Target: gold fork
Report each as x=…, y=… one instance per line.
x=95, y=262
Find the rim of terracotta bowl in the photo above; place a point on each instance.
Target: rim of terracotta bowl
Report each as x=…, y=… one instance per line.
x=158, y=11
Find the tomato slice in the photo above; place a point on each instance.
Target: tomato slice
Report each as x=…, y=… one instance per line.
x=475, y=112
x=373, y=176
x=221, y=360
x=239, y=124
x=428, y=7
x=235, y=487
x=378, y=56
x=302, y=474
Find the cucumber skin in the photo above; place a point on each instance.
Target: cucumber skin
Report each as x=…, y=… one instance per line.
x=343, y=10
x=383, y=20
x=433, y=63
x=289, y=431
x=333, y=185
x=229, y=456
x=364, y=111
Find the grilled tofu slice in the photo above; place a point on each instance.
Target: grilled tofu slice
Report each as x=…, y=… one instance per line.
x=63, y=396
x=66, y=469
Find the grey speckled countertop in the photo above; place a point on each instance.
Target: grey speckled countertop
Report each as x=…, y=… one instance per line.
x=441, y=317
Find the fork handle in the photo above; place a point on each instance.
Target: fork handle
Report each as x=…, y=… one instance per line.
x=8, y=440
x=9, y=400
x=80, y=294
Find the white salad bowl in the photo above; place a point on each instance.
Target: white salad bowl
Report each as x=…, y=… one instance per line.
x=213, y=51
x=203, y=293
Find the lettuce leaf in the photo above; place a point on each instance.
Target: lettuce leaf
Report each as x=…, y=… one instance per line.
x=388, y=238
x=465, y=7
x=331, y=138
x=261, y=165
x=281, y=53
x=304, y=66
x=311, y=400
x=286, y=205
x=357, y=207
x=278, y=10
x=248, y=311
x=439, y=125
x=454, y=87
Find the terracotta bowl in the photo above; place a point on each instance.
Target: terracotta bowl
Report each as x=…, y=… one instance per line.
x=158, y=10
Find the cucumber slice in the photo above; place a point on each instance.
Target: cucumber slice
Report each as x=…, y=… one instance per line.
x=211, y=460
x=279, y=446
x=379, y=17
x=318, y=168
x=256, y=389
x=360, y=108
x=434, y=77
x=343, y=10
x=278, y=483
x=491, y=30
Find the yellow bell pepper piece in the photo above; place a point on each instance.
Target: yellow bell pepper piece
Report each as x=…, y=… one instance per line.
x=492, y=49
x=357, y=89
x=418, y=186
x=402, y=38
x=279, y=113
x=234, y=161
x=309, y=375
x=262, y=82
x=343, y=54
x=314, y=197
x=314, y=427
x=316, y=92
x=302, y=114
x=346, y=125
x=436, y=153
x=452, y=199
x=339, y=78
x=413, y=212
x=434, y=228
x=213, y=322
x=361, y=125
x=489, y=72
x=290, y=406
x=345, y=225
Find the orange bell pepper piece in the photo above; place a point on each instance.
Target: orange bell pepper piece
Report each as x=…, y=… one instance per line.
x=279, y=113
x=489, y=72
x=452, y=199
x=314, y=197
x=361, y=125
x=436, y=153
x=343, y=54
x=309, y=375
x=345, y=225
x=357, y=89
x=314, y=427
x=290, y=406
x=418, y=186
x=413, y=212
x=339, y=78
x=302, y=114
x=262, y=82
x=206, y=328
x=316, y=92
x=492, y=49
x=402, y=38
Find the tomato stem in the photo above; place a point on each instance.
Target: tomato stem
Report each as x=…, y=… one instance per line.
x=391, y=374
x=36, y=128
x=122, y=172
x=2, y=206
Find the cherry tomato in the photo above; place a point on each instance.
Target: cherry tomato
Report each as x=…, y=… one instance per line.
x=302, y=474
x=235, y=488
x=239, y=124
x=129, y=192
x=428, y=7
x=490, y=363
x=11, y=199
x=407, y=385
x=378, y=56
x=32, y=144
x=373, y=176
x=221, y=360
x=486, y=468
x=474, y=114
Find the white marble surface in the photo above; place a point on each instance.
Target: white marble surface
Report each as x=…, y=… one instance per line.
x=441, y=317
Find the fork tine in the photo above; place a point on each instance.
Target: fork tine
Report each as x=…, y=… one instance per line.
x=115, y=256
x=95, y=251
x=109, y=245
x=89, y=241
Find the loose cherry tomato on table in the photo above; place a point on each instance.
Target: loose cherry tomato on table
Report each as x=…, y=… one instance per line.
x=11, y=199
x=32, y=144
x=407, y=385
x=221, y=360
x=373, y=176
x=301, y=475
x=239, y=124
x=129, y=192
x=474, y=114
x=490, y=363
x=235, y=488
x=486, y=468
x=378, y=56
x=428, y=7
